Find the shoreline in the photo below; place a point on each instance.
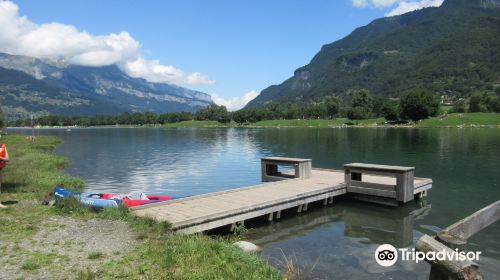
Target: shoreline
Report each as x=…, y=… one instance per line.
x=464, y=120
x=70, y=240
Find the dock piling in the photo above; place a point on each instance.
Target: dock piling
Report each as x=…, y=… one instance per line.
x=286, y=190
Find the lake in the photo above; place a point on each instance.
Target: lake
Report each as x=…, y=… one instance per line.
x=332, y=242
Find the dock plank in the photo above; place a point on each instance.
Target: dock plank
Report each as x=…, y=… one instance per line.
x=207, y=211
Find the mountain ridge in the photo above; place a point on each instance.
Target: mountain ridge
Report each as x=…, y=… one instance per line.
x=449, y=49
x=41, y=86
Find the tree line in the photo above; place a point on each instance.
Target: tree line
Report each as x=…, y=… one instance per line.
x=415, y=105
x=2, y=119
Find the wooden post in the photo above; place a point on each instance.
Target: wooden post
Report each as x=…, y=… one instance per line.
x=455, y=237
x=297, y=171
x=278, y=214
x=447, y=269
x=454, y=242
x=404, y=186
x=270, y=218
x=305, y=207
x=305, y=169
x=347, y=177
x=300, y=208
x=474, y=223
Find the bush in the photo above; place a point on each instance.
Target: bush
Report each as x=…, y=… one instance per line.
x=419, y=104
x=357, y=113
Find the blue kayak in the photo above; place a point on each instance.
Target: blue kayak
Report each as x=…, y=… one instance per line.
x=90, y=199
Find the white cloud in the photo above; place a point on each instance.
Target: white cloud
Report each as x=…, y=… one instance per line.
x=407, y=6
x=398, y=6
x=199, y=78
x=359, y=3
x=20, y=36
x=235, y=103
x=154, y=71
x=383, y=3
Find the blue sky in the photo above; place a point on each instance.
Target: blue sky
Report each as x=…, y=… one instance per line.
x=224, y=48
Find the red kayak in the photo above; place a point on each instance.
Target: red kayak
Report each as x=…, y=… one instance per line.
x=133, y=200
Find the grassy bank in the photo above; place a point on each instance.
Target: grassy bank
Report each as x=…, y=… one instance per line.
x=449, y=120
x=27, y=228
x=195, y=124
x=463, y=120
x=318, y=123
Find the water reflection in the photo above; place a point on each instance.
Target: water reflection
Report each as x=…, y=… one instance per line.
x=336, y=240
x=344, y=235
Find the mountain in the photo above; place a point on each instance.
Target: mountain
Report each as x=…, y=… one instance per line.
x=32, y=86
x=452, y=50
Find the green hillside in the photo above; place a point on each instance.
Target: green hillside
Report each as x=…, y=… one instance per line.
x=451, y=50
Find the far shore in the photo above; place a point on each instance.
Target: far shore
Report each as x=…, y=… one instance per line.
x=456, y=120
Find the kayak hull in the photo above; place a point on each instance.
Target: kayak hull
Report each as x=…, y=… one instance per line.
x=102, y=200
x=137, y=202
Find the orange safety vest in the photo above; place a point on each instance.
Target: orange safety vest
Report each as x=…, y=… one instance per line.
x=3, y=153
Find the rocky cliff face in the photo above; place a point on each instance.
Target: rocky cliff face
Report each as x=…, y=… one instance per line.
x=452, y=50
x=35, y=86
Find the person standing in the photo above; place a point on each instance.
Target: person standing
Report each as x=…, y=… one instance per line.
x=4, y=158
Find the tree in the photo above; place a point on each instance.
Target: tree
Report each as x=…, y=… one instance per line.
x=240, y=116
x=362, y=98
x=458, y=107
x=361, y=105
x=332, y=107
x=223, y=115
x=274, y=111
x=356, y=113
x=495, y=105
x=2, y=119
x=475, y=103
x=125, y=118
x=292, y=111
x=390, y=110
x=213, y=112
x=150, y=118
x=419, y=104
x=484, y=101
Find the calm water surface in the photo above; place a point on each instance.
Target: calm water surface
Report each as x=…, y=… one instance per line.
x=332, y=242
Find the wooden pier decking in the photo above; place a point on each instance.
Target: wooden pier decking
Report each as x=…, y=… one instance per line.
x=208, y=211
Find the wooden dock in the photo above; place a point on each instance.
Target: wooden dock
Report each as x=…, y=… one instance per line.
x=208, y=211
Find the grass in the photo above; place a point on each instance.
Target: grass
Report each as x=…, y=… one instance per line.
x=450, y=120
x=95, y=256
x=317, y=122
x=38, y=260
x=190, y=257
x=277, y=123
x=31, y=175
x=34, y=169
x=463, y=120
x=86, y=274
x=194, y=124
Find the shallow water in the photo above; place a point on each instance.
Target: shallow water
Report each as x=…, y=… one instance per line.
x=332, y=242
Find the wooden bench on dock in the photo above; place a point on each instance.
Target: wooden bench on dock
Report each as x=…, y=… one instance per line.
x=270, y=172
x=285, y=190
x=402, y=190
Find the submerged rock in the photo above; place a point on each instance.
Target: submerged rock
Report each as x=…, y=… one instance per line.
x=247, y=246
